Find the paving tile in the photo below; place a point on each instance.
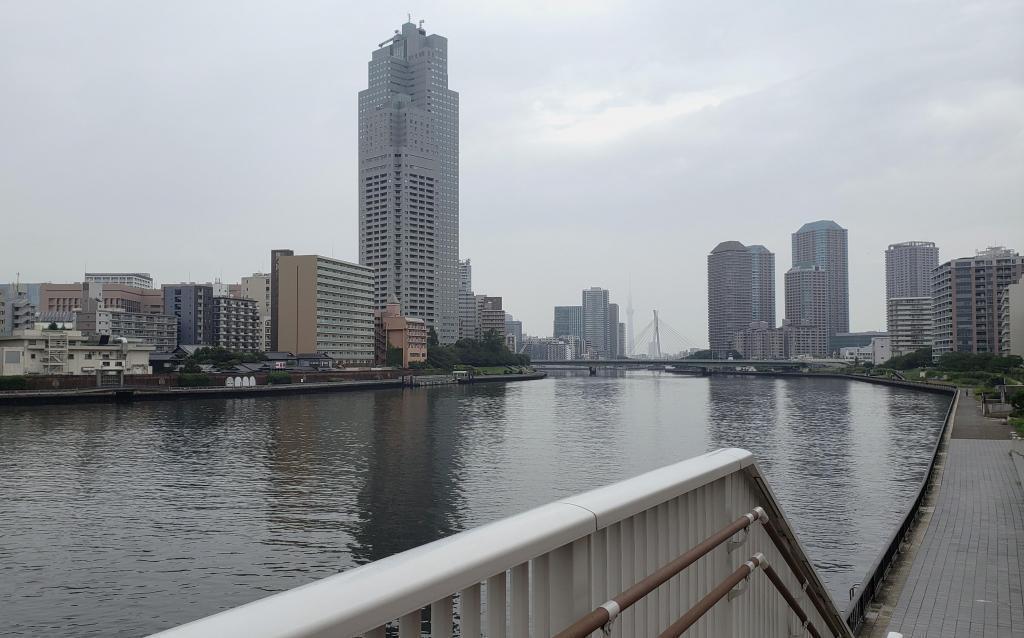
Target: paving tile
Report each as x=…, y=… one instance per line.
x=966, y=579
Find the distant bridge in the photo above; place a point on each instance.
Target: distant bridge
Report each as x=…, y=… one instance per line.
x=697, y=363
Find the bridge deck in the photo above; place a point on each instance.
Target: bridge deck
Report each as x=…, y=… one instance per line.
x=966, y=578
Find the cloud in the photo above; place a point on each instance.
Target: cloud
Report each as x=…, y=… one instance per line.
x=601, y=142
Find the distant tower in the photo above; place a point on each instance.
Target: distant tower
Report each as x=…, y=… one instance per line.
x=409, y=179
x=631, y=338
x=595, y=320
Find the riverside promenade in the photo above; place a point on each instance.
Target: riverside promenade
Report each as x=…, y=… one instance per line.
x=965, y=578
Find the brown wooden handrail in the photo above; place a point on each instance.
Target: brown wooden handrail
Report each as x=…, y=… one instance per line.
x=607, y=612
x=705, y=604
x=794, y=567
x=773, y=576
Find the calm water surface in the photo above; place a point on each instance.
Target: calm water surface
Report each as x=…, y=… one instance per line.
x=124, y=520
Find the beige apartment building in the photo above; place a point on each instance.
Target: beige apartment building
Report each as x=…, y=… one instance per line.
x=396, y=331
x=69, y=297
x=257, y=287
x=490, y=316
x=324, y=305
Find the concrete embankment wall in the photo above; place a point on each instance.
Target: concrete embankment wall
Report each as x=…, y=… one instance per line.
x=937, y=388
x=314, y=383
x=494, y=378
x=873, y=581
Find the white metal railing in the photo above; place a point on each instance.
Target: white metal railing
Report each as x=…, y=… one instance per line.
x=536, y=573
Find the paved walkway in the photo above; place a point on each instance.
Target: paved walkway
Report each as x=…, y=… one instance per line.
x=966, y=578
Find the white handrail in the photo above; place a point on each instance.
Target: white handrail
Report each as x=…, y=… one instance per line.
x=363, y=599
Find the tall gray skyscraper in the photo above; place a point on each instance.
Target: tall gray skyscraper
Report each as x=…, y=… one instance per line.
x=729, y=295
x=823, y=243
x=908, y=269
x=568, y=322
x=613, y=330
x=762, y=285
x=409, y=178
x=595, y=320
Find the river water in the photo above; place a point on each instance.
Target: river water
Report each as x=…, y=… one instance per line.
x=124, y=520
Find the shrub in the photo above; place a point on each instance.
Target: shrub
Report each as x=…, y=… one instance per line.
x=1017, y=401
x=193, y=380
x=279, y=378
x=13, y=383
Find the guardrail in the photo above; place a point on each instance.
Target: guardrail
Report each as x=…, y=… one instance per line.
x=534, y=574
x=861, y=598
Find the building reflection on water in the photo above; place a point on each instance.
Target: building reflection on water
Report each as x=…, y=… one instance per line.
x=189, y=507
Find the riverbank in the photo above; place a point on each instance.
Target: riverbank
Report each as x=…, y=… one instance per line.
x=961, y=572
x=151, y=393
x=937, y=388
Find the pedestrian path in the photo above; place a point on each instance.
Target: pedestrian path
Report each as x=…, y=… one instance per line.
x=966, y=577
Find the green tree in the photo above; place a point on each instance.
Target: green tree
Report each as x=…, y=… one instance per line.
x=917, y=359
x=1017, y=401
x=432, y=340
x=395, y=357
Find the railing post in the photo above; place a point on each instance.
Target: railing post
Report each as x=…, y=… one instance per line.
x=581, y=575
x=561, y=579
x=520, y=601
x=541, y=597
x=469, y=612
x=441, y=618
x=496, y=606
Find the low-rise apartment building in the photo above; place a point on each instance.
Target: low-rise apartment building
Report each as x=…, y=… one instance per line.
x=236, y=324
x=42, y=351
x=131, y=279
x=395, y=331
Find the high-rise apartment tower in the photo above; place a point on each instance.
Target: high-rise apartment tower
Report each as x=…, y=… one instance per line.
x=966, y=295
x=823, y=243
x=729, y=293
x=741, y=290
x=409, y=179
x=908, y=269
x=908, y=290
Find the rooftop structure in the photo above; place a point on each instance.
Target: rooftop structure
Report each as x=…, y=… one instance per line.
x=133, y=279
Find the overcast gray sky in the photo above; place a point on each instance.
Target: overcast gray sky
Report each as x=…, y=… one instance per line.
x=602, y=141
